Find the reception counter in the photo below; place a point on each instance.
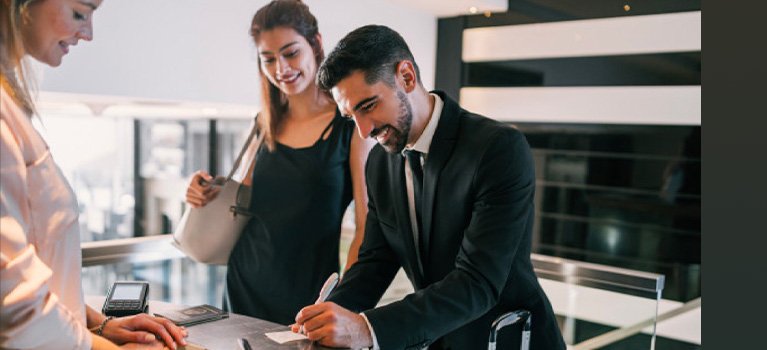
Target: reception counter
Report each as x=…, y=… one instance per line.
x=223, y=334
x=596, y=305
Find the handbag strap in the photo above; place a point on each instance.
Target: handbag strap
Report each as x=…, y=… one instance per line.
x=259, y=140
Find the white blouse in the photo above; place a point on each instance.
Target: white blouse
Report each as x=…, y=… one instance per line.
x=40, y=259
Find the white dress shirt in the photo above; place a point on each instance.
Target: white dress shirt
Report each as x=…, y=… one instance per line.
x=421, y=145
x=40, y=260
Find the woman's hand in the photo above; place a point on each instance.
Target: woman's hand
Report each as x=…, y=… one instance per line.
x=201, y=190
x=155, y=345
x=146, y=330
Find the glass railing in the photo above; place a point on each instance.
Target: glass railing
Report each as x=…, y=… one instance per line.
x=597, y=306
x=173, y=277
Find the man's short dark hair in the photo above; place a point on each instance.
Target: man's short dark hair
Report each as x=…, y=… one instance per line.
x=374, y=49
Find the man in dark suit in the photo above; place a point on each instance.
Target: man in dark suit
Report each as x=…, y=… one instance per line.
x=450, y=201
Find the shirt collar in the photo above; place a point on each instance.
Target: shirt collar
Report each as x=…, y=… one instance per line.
x=424, y=141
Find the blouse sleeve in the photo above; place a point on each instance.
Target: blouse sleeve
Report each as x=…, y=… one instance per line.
x=31, y=316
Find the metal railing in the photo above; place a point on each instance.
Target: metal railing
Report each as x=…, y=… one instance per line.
x=159, y=247
x=129, y=250
x=616, y=279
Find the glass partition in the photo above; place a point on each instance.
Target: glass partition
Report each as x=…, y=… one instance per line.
x=172, y=277
x=178, y=281
x=601, y=307
x=130, y=174
x=96, y=156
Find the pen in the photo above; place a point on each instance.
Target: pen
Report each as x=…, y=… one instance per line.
x=327, y=287
x=244, y=345
x=331, y=283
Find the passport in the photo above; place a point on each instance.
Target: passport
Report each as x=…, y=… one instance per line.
x=194, y=315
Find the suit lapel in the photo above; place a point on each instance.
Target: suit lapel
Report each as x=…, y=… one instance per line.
x=402, y=209
x=439, y=152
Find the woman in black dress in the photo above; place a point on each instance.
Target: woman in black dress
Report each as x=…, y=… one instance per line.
x=308, y=169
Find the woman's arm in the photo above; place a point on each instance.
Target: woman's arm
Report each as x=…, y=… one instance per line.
x=31, y=315
x=100, y=343
x=358, y=155
x=92, y=317
x=141, y=329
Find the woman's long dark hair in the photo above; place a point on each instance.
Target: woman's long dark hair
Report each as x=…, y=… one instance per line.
x=281, y=13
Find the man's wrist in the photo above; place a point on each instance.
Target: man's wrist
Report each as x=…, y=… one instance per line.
x=374, y=344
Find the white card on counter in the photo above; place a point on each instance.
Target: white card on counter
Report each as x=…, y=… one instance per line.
x=285, y=336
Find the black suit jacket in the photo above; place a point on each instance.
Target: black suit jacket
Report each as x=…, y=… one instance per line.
x=477, y=215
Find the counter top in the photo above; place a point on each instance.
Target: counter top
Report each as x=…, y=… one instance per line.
x=223, y=334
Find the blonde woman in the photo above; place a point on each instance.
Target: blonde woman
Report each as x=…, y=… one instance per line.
x=40, y=262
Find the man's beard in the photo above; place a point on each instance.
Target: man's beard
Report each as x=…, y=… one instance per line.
x=399, y=134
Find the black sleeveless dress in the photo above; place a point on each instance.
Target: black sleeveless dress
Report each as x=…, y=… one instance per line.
x=290, y=247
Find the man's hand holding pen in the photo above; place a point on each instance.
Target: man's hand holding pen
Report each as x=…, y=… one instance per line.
x=332, y=325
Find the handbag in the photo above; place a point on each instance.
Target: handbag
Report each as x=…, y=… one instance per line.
x=208, y=234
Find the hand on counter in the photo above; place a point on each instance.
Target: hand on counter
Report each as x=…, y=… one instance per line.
x=155, y=345
x=334, y=326
x=144, y=330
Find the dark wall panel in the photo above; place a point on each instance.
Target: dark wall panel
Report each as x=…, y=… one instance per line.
x=677, y=68
x=624, y=195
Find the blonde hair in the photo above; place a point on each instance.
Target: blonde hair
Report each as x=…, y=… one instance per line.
x=14, y=67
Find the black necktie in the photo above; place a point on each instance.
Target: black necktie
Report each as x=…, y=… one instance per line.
x=414, y=159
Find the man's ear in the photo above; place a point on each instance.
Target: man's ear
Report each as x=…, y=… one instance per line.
x=406, y=75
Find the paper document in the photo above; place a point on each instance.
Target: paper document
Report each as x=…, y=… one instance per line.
x=285, y=336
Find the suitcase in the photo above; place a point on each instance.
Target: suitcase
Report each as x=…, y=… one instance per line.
x=507, y=319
